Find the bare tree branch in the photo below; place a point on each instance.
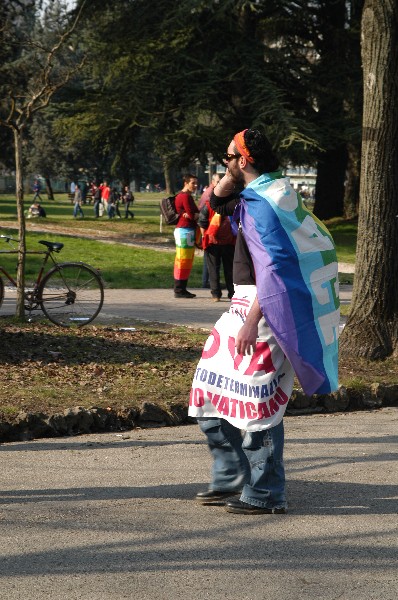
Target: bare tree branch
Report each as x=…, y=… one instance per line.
x=48, y=88
x=22, y=107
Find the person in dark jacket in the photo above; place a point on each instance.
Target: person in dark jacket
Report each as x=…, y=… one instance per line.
x=218, y=243
x=127, y=199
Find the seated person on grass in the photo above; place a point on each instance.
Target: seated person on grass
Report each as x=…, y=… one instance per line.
x=36, y=210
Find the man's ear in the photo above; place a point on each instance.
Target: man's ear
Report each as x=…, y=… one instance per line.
x=242, y=162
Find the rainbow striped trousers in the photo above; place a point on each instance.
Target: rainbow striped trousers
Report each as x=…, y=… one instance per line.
x=185, y=252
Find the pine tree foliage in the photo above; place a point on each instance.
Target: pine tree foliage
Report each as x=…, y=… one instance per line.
x=191, y=78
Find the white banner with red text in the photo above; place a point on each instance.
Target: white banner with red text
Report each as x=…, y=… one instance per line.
x=251, y=391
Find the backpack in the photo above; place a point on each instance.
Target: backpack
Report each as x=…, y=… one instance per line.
x=168, y=210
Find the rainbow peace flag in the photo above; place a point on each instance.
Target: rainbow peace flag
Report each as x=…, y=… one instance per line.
x=185, y=252
x=296, y=277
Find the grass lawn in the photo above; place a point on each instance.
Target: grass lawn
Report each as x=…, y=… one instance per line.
x=122, y=266
x=96, y=366
x=345, y=237
x=60, y=212
x=125, y=266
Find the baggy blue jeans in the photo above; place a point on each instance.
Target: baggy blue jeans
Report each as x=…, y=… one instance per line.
x=254, y=461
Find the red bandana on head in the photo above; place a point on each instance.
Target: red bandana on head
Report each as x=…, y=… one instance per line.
x=239, y=140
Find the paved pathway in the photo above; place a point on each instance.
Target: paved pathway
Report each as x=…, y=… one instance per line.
x=113, y=516
x=125, y=307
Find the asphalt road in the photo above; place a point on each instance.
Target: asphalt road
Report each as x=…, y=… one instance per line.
x=113, y=516
x=125, y=307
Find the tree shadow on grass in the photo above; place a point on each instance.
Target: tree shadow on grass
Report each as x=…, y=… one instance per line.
x=78, y=347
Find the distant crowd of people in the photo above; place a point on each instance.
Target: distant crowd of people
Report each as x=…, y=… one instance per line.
x=106, y=200
x=109, y=200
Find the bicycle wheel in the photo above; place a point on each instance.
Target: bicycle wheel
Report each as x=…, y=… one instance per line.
x=71, y=294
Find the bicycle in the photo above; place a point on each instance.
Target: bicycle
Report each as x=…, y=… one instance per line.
x=70, y=293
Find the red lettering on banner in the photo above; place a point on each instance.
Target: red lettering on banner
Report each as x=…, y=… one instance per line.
x=198, y=399
x=273, y=406
x=247, y=410
x=262, y=410
x=241, y=409
x=251, y=410
x=234, y=402
x=214, y=398
x=280, y=396
x=237, y=358
x=223, y=407
x=261, y=360
x=215, y=345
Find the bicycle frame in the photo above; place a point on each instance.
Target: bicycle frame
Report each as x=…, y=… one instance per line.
x=30, y=296
x=69, y=293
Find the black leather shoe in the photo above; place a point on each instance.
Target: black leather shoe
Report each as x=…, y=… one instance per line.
x=213, y=497
x=184, y=294
x=242, y=508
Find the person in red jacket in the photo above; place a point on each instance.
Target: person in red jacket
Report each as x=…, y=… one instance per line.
x=105, y=195
x=184, y=235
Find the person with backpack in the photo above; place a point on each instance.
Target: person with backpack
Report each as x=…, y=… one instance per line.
x=184, y=235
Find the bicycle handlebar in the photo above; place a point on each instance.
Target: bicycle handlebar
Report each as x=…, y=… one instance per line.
x=7, y=238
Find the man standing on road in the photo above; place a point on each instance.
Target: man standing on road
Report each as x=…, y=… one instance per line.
x=283, y=319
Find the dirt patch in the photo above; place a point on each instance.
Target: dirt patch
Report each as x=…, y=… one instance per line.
x=160, y=242
x=48, y=369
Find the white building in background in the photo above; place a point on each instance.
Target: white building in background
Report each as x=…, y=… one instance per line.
x=302, y=179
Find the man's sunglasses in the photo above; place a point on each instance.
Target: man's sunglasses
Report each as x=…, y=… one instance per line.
x=227, y=157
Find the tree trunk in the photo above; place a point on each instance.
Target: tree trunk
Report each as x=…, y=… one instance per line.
x=20, y=308
x=372, y=327
x=49, y=189
x=169, y=177
x=329, y=189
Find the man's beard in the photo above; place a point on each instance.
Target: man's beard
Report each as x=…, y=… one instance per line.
x=237, y=177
